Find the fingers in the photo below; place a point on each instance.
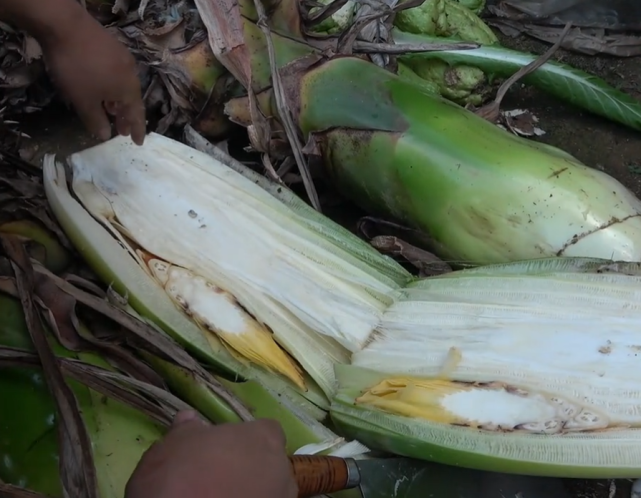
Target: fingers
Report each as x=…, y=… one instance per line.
x=269, y=431
x=135, y=117
x=186, y=417
x=129, y=119
x=272, y=432
x=94, y=117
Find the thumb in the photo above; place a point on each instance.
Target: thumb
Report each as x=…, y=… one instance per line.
x=187, y=416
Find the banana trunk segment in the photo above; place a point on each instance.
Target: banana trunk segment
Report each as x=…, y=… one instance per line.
x=482, y=194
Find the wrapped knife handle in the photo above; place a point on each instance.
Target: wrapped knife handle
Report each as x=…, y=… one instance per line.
x=318, y=475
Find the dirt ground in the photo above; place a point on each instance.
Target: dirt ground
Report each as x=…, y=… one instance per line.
x=595, y=141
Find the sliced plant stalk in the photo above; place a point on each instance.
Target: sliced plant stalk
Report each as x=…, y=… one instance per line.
x=113, y=263
x=279, y=270
x=267, y=395
x=433, y=435
x=521, y=371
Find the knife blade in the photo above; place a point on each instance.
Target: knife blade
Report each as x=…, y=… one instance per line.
x=409, y=478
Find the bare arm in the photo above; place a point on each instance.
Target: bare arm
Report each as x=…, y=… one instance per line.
x=45, y=20
x=92, y=69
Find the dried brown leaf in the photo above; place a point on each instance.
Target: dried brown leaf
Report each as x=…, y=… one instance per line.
x=427, y=263
x=77, y=471
x=11, y=491
x=492, y=111
x=23, y=187
x=581, y=40
x=59, y=309
x=408, y=48
x=151, y=337
x=59, y=312
x=85, y=284
x=226, y=36
x=31, y=49
x=284, y=111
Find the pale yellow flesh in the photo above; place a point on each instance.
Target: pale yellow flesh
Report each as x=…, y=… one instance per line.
x=482, y=406
x=218, y=312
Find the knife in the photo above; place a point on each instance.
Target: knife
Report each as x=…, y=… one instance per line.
x=408, y=478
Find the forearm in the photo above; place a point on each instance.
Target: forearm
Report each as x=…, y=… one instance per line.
x=43, y=19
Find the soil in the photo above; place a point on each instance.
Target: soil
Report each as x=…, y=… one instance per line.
x=595, y=141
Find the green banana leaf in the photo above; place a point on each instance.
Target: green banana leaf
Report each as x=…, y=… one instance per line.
x=28, y=436
x=565, y=82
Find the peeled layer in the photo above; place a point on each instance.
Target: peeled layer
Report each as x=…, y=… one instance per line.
x=530, y=367
x=321, y=297
x=574, y=335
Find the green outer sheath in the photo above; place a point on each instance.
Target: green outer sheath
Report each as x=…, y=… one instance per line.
x=600, y=456
x=351, y=422
x=257, y=398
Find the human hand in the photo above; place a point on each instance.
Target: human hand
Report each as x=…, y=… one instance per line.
x=199, y=460
x=98, y=75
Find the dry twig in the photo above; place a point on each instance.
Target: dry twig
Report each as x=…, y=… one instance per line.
x=364, y=47
x=492, y=111
x=283, y=110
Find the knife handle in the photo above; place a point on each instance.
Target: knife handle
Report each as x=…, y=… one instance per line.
x=319, y=475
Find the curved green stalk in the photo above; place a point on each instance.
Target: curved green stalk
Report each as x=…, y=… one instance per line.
x=565, y=82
